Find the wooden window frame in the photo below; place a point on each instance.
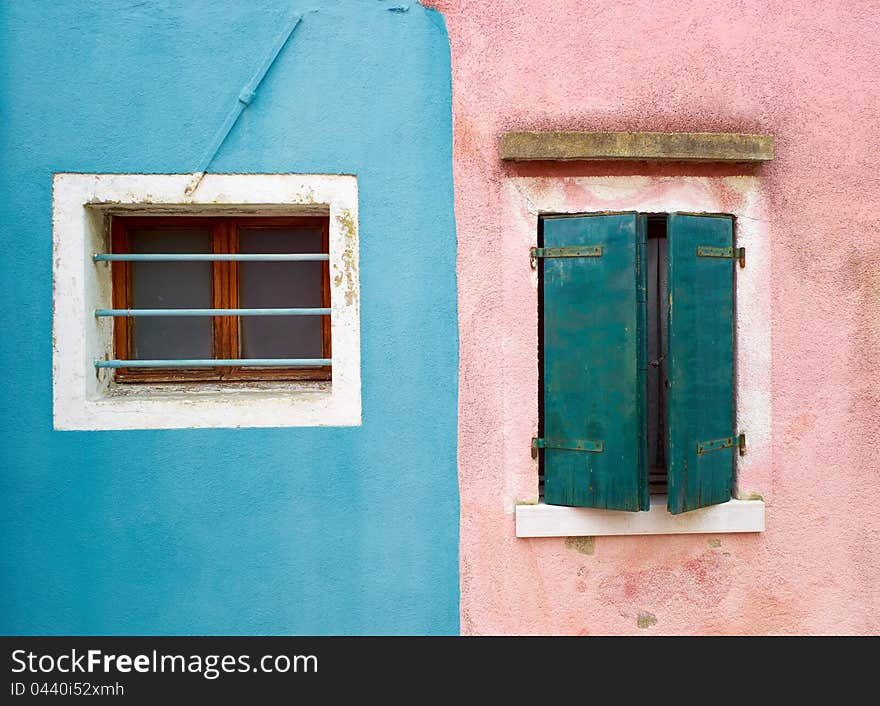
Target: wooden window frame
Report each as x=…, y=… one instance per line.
x=226, y=340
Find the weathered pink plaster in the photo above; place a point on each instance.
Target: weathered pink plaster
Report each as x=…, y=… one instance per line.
x=806, y=73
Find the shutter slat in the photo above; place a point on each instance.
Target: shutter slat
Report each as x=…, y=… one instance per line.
x=700, y=400
x=591, y=361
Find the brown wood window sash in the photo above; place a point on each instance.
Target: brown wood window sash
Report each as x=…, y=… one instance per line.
x=225, y=295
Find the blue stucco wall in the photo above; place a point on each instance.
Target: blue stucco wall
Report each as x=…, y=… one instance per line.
x=235, y=531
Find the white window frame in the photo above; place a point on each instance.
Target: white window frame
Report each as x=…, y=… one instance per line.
x=86, y=398
x=528, y=198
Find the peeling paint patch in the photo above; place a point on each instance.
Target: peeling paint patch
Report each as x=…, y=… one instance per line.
x=714, y=542
x=307, y=197
x=583, y=545
x=346, y=273
x=646, y=620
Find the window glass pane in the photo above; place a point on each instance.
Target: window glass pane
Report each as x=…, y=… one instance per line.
x=280, y=285
x=657, y=310
x=171, y=285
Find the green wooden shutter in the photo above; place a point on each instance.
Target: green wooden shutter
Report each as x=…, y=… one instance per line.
x=700, y=402
x=592, y=434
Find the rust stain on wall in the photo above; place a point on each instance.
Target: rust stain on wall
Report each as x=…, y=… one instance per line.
x=584, y=545
x=646, y=619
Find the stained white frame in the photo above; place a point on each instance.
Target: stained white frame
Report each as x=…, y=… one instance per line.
x=86, y=398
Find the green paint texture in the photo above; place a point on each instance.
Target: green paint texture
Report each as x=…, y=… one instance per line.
x=590, y=363
x=700, y=400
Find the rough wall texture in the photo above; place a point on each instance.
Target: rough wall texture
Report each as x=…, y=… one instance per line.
x=806, y=73
x=235, y=531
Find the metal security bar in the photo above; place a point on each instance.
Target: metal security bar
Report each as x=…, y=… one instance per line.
x=215, y=362
x=321, y=311
x=210, y=257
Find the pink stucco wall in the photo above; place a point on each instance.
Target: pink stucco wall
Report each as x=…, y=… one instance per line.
x=805, y=72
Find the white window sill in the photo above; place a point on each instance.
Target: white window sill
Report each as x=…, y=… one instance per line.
x=557, y=521
x=218, y=408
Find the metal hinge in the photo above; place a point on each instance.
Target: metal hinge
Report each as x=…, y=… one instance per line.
x=573, y=251
x=725, y=443
x=566, y=444
x=727, y=253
